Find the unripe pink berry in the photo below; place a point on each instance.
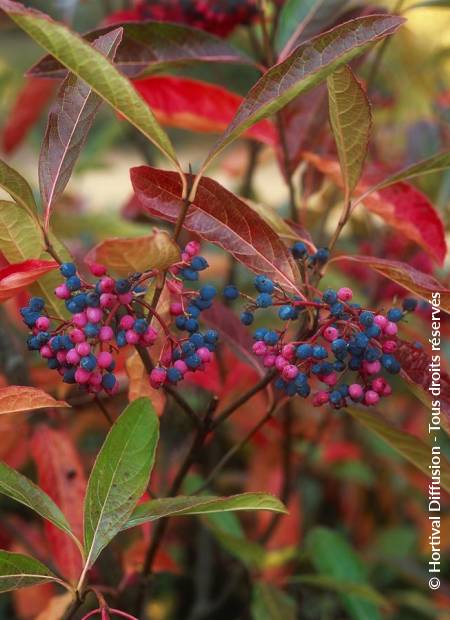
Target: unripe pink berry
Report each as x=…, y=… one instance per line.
x=176, y=308
x=372, y=368
x=150, y=336
x=181, y=366
x=387, y=390
x=280, y=362
x=204, y=354
x=157, y=377
x=289, y=372
x=94, y=315
x=371, y=397
x=185, y=257
x=79, y=319
x=330, y=379
x=72, y=357
x=82, y=376
x=126, y=298
x=192, y=248
x=379, y=384
x=46, y=352
x=320, y=398
x=288, y=352
x=356, y=391
x=97, y=269
x=380, y=320
x=269, y=360
x=107, y=285
x=259, y=348
x=389, y=346
x=330, y=333
x=391, y=329
x=95, y=379
x=106, y=333
x=83, y=348
x=62, y=292
x=61, y=356
x=104, y=359
x=77, y=336
x=345, y=293
x=107, y=300
x=43, y=323
x=126, y=322
x=132, y=337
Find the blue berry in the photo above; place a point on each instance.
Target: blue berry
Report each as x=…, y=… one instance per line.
x=68, y=270
x=193, y=361
x=299, y=249
x=208, y=292
x=231, y=292
x=247, y=317
x=73, y=283
x=69, y=375
x=36, y=304
x=304, y=351
x=373, y=331
x=286, y=312
x=53, y=364
x=122, y=286
x=263, y=284
x=211, y=336
x=174, y=375
x=271, y=337
x=191, y=325
x=121, y=338
x=343, y=389
x=260, y=333
x=335, y=397
x=193, y=311
x=291, y=389
x=319, y=352
x=202, y=304
x=33, y=343
x=409, y=304
x=189, y=274
x=66, y=342
x=390, y=364
x=180, y=322
x=372, y=354
x=355, y=363
x=361, y=341
x=188, y=348
x=366, y=318
x=108, y=381
x=330, y=296
x=30, y=318
x=140, y=326
x=339, y=345
x=92, y=330
x=197, y=340
x=88, y=362
x=199, y=263
x=279, y=384
x=321, y=256
x=337, y=309
x=303, y=390
x=93, y=300
x=56, y=343
x=395, y=315
x=264, y=300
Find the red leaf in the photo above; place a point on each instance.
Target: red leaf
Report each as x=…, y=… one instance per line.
x=421, y=284
x=220, y=217
x=61, y=476
x=18, y=276
x=401, y=205
x=28, y=107
x=198, y=106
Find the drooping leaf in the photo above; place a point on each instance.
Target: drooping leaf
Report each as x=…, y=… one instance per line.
x=351, y=122
x=60, y=474
x=21, y=489
x=91, y=66
x=139, y=385
x=153, y=46
x=302, y=19
x=20, y=571
x=333, y=557
x=120, y=475
x=411, y=448
x=197, y=106
x=220, y=217
x=69, y=122
x=421, y=284
x=21, y=241
x=124, y=256
x=306, y=67
x=324, y=582
x=16, y=277
x=16, y=186
x=271, y=603
x=19, y=398
x=30, y=103
x=400, y=204
x=179, y=506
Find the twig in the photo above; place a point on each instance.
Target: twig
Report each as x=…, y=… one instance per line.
x=103, y=409
x=287, y=172
x=342, y=222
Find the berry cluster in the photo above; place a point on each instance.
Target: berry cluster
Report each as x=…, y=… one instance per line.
x=112, y=313
x=348, y=351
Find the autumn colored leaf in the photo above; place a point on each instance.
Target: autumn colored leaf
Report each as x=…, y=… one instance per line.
x=56, y=607
x=69, y=122
x=61, y=476
x=18, y=188
x=220, y=217
x=351, y=122
x=30, y=103
x=401, y=205
x=19, y=398
x=421, y=284
x=17, y=277
x=139, y=384
x=125, y=256
x=306, y=67
x=153, y=46
x=198, y=106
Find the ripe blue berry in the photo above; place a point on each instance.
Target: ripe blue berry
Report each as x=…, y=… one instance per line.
x=122, y=286
x=193, y=361
x=174, y=375
x=264, y=284
x=208, y=292
x=88, y=362
x=321, y=256
x=108, y=381
x=304, y=351
x=319, y=352
x=192, y=325
x=73, y=283
x=211, y=336
x=264, y=300
x=199, y=263
x=286, y=312
x=409, y=304
x=36, y=304
x=330, y=296
x=197, y=340
x=247, y=317
x=68, y=270
x=395, y=315
x=189, y=274
x=366, y=318
x=230, y=292
x=193, y=311
x=140, y=325
x=180, y=322
x=271, y=337
x=299, y=249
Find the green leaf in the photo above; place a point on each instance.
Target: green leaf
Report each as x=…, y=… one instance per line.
x=351, y=122
x=333, y=557
x=19, y=190
x=186, y=505
x=307, y=66
x=414, y=450
x=360, y=590
x=18, y=487
x=21, y=239
x=120, y=475
x=92, y=67
x=20, y=571
x=270, y=603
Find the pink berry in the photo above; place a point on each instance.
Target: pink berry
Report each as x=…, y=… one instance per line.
x=176, y=308
x=43, y=323
x=320, y=398
x=389, y=346
x=106, y=333
x=289, y=372
x=94, y=315
x=72, y=357
x=126, y=298
x=76, y=336
x=380, y=320
x=82, y=376
x=345, y=293
x=157, y=377
x=61, y=356
x=97, y=269
x=192, y=248
x=355, y=391
x=391, y=329
x=107, y=300
x=280, y=362
x=372, y=368
x=46, y=352
x=79, y=319
x=259, y=348
x=95, y=379
x=288, y=352
x=387, y=390
x=181, y=366
x=104, y=359
x=204, y=354
x=378, y=385
x=62, y=292
x=371, y=397
x=131, y=336
x=83, y=348
x=269, y=360
x=150, y=336
x=185, y=257
x=330, y=379
x=330, y=334
x=127, y=321
x=107, y=285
